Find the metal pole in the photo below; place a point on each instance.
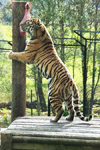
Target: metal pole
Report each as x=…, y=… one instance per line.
x=85, y=79
x=48, y=107
x=31, y=104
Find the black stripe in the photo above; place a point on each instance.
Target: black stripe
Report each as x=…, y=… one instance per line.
x=46, y=68
x=69, y=108
x=45, y=53
x=47, y=65
x=48, y=46
x=62, y=93
x=60, y=69
x=52, y=92
x=69, y=101
x=54, y=101
x=59, y=108
x=76, y=102
x=44, y=40
x=40, y=47
x=29, y=45
x=53, y=65
x=82, y=118
x=41, y=68
x=44, y=59
x=78, y=113
x=55, y=80
x=43, y=32
x=87, y=119
x=76, y=108
x=55, y=106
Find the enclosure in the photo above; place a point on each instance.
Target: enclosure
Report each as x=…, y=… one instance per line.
x=74, y=28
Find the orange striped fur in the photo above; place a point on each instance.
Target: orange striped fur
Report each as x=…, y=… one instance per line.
x=40, y=49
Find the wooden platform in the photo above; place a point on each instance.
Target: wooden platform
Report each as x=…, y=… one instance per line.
x=38, y=133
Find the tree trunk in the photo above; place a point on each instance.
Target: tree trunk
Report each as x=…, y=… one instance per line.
x=62, y=40
x=74, y=61
x=94, y=59
x=18, y=68
x=40, y=93
x=84, y=59
x=36, y=90
x=85, y=107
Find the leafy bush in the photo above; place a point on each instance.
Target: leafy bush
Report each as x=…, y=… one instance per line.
x=5, y=116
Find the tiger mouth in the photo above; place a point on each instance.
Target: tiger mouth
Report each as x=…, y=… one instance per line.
x=23, y=29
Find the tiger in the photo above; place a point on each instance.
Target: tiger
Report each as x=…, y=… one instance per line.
x=61, y=86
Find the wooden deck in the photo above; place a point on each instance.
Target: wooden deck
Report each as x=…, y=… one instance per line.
x=38, y=133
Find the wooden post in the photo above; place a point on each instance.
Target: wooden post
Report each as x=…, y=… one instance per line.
x=18, y=68
x=6, y=141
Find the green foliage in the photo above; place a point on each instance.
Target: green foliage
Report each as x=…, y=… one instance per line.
x=5, y=65
x=5, y=116
x=5, y=13
x=66, y=113
x=61, y=17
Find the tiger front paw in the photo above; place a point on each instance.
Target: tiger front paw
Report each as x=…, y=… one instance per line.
x=10, y=55
x=27, y=41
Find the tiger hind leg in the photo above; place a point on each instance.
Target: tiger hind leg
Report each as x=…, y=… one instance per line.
x=58, y=116
x=57, y=105
x=69, y=105
x=71, y=116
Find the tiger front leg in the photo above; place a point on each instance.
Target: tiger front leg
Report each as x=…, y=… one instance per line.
x=71, y=116
x=20, y=56
x=12, y=55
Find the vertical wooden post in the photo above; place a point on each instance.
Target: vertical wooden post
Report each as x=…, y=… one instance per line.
x=6, y=141
x=18, y=68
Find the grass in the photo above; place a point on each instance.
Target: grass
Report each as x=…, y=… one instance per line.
x=6, y=32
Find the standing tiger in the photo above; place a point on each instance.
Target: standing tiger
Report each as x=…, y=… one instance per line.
x=40, y=49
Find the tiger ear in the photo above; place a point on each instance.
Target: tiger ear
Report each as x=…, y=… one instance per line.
x=39, y=24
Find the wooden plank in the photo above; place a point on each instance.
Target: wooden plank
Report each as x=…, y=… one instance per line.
x=38, y=133
x=60, y=124
x=65, y=141
x=62, y=120
x=55, y=129
x=35, y=124
x=34, y=146
x=53, y=143
x=49, y=135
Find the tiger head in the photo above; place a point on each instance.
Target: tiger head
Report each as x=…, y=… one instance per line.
x=34, y=27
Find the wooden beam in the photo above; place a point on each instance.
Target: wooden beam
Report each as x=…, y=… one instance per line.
x=18, y=68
